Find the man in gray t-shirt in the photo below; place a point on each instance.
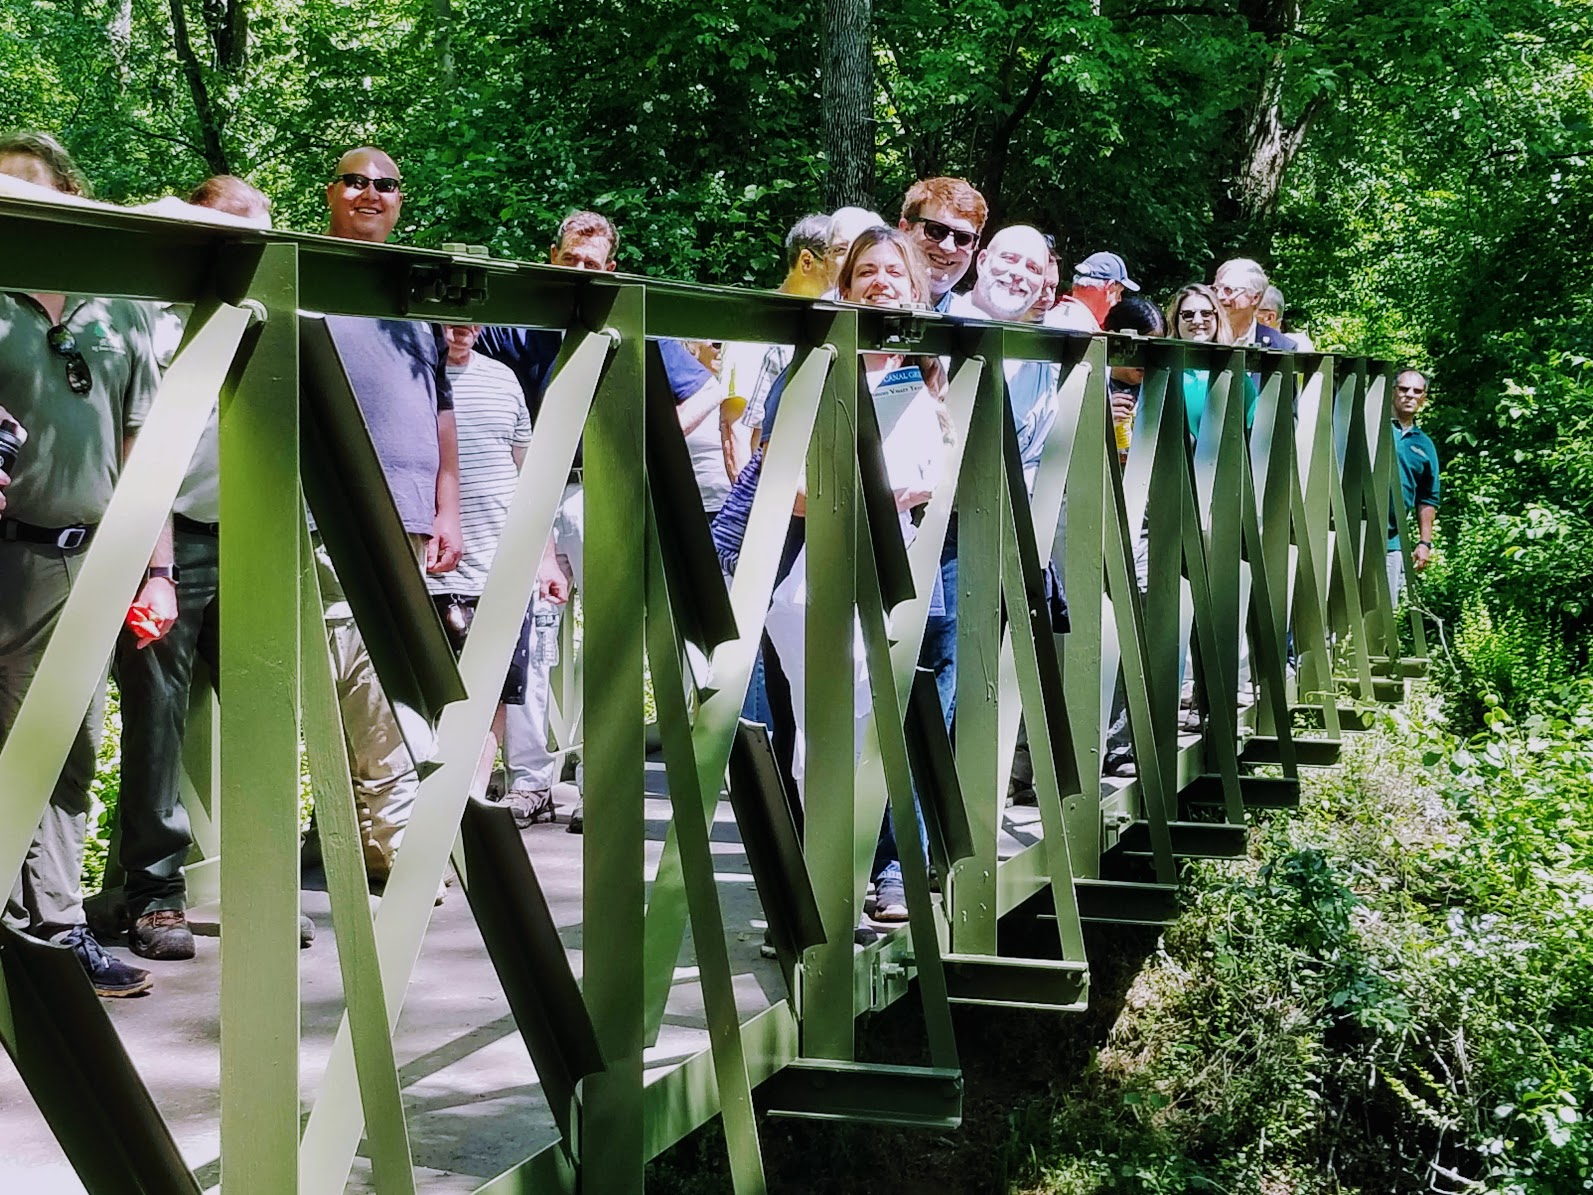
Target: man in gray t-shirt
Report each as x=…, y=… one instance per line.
x=399, y=373
x=398, y=370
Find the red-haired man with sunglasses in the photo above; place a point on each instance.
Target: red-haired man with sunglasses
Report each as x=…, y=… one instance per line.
x=944, y=216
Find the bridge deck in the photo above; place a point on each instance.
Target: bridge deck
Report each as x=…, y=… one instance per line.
x=470, y=1091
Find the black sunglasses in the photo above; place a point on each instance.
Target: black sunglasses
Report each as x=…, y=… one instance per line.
x=937, y=233
x=358, y=182
x=64, y=344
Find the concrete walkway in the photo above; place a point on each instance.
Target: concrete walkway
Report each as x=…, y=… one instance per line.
x=472, y=1098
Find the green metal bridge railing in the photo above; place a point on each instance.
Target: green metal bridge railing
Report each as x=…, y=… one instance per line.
x=1269, y=541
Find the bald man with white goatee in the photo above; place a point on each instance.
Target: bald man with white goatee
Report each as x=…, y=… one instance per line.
x=1010, y=277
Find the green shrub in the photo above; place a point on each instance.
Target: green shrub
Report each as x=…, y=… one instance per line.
x=104, y=794
x=1394, y=993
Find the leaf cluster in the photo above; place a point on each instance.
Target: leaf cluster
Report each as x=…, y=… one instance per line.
x=1391, y=995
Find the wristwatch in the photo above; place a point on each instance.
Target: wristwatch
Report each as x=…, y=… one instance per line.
x=169, y=571
x=1424, y=543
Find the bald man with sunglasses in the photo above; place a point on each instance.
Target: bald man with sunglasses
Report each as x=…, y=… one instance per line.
x=398, y=369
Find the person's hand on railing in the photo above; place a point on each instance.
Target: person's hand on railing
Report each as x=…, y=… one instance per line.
x=908, y=497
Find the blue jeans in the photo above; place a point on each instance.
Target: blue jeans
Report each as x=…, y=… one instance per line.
x=755, y=707
x=939, y=655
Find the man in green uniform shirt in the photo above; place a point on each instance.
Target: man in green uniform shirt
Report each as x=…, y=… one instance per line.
x=79, y=374
x=1418, y=477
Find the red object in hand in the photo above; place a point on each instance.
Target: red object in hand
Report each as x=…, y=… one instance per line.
x=142, y=621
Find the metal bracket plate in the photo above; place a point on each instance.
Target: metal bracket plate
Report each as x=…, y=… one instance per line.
x=450, y=284
x=1058, y=986
x=918, y=1097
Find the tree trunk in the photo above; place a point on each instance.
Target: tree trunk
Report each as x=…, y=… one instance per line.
x=848, y=103
x=227, y=22
x=1268, y=142
x=120, y=34
x=210, y=121
x=1272, y=144
x=443, y=11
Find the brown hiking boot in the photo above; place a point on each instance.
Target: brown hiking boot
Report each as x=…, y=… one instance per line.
x=162, y=934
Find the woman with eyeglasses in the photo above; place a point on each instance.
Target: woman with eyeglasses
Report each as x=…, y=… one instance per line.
x=883, y=268
x=1196, y=315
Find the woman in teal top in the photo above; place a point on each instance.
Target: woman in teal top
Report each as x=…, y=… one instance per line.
x=1195, y=314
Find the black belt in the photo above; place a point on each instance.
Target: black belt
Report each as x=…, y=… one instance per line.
x=194, y=526
x=68, y=539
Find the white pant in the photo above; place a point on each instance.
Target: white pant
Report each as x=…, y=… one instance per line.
x=531, y=765
x=787, y=629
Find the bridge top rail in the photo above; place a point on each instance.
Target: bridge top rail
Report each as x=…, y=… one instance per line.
x=136, y=254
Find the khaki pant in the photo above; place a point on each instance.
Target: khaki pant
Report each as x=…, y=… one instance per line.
x=47, y=898
x=380, y=764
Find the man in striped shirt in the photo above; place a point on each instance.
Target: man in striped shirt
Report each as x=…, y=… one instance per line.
x=494, y=430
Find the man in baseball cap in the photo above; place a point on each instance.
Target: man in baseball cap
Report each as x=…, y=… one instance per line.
x=1098, y=283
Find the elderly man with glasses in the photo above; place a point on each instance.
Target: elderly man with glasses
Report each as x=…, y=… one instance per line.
x=1239, y=284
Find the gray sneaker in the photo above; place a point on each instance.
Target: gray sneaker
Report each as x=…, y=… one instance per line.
x=530, y=806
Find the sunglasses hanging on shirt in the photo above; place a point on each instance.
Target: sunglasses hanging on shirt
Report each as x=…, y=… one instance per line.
x=64, y=345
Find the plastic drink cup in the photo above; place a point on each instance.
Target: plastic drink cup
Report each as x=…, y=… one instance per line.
x=1125, y=432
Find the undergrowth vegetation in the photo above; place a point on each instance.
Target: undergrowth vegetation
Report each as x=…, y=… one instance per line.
x=1394, y=993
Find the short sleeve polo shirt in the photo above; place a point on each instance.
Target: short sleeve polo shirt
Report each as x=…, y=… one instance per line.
x=66, y=471
x=1417, y=458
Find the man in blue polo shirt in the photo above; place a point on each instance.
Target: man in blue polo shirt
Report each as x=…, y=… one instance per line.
x=588, y=241
x=1418, y=477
